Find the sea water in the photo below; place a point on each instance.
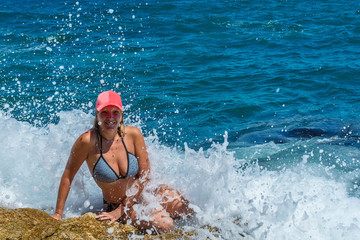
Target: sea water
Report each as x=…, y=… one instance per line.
x=248, y=108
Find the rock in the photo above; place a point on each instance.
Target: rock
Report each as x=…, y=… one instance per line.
x=34, y=224
x=28, y=223
x=87, y=227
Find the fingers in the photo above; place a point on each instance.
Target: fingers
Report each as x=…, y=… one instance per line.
x=103, y=216
x=106, y=216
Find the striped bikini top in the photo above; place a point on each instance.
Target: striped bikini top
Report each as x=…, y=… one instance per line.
x=103, y=172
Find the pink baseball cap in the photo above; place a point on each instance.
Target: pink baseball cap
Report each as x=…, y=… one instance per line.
x=108, y=98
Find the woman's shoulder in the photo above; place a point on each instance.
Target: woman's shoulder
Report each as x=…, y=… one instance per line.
x=133, y=131
x=88, y=137
x=135, y=136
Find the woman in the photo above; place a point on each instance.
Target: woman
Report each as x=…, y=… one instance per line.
x=117, y=159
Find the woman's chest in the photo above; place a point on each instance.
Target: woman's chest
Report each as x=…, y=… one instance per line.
x=112, y=158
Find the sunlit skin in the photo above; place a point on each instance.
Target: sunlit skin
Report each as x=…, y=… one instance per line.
x=86, y=149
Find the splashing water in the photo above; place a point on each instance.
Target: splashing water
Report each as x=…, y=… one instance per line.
x=247, y=108
x=231, y=194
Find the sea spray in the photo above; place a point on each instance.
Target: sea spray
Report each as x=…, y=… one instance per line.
x=234, y=195
x=292, y=201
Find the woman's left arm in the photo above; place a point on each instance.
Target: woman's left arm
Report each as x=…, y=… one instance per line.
x=144, y=167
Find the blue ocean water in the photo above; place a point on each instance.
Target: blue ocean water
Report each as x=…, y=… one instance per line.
x=250, y=108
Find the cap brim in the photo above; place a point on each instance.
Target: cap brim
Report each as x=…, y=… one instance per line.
x=101, y=107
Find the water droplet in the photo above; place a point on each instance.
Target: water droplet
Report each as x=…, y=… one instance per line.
x=86, y=203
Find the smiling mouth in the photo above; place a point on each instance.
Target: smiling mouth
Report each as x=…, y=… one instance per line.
x=110, y=124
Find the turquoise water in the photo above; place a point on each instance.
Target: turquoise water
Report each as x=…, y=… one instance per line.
x=258, y=98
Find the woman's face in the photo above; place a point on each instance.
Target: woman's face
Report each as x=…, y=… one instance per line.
x=109, y=118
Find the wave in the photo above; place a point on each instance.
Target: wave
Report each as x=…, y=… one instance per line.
x=298, y=200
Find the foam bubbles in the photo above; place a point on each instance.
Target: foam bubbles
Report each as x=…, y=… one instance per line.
x=300, y=202
x=33, y=160
x=233, y=194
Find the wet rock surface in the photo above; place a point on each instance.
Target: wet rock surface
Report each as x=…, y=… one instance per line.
x=28, y=223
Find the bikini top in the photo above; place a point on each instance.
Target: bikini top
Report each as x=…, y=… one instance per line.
x=103, y=172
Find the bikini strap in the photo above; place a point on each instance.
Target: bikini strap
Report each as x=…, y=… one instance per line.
x=122, y=139
x=127, y=156
x=99, y=141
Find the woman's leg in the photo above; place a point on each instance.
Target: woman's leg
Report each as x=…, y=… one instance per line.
x=156, y=220
x=173, y=202
x=159, y=221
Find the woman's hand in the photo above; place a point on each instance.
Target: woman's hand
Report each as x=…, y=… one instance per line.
x=56, y=216
x=112, y=216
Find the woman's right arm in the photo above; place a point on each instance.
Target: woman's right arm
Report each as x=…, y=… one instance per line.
x=78, y=155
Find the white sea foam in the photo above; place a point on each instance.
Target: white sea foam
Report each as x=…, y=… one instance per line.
x=301, y=201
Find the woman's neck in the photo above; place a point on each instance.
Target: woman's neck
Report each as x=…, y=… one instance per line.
x=108, y=135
